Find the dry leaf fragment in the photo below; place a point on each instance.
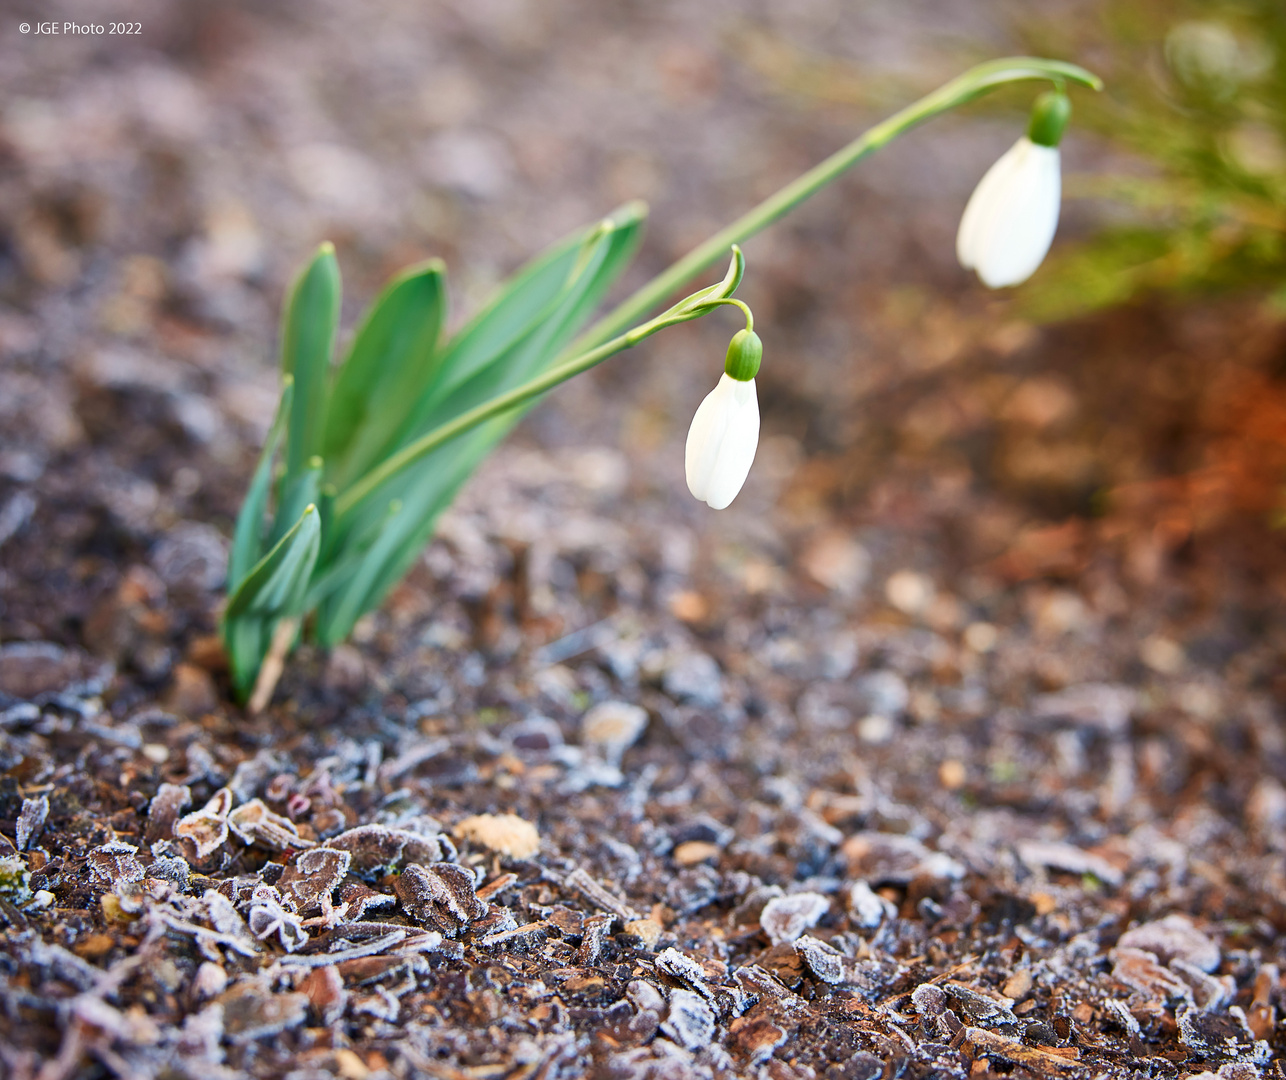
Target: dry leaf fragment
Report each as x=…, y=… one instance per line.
x=441, y=895
x=785, y=918
x=507, y=834
x=207, y=828
x=114, y=865
x=690, y=1022
x=315, y=874
x=254, y=822
x=377, y=849
x=31, y=820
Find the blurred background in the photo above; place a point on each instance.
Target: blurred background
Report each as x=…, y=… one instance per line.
x=1107, y=442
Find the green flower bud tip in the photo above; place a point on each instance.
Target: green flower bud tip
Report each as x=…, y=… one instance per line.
x=745, y=350
x=1049, y=117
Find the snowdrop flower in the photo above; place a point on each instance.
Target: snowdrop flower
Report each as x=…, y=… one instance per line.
x=725, y=431
x=1010, y=220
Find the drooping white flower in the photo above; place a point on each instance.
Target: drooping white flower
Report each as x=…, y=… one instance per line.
x=1011, y=217
x=722, y=441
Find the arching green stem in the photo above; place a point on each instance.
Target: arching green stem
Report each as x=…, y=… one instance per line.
x=609, y=335
x=973, y=83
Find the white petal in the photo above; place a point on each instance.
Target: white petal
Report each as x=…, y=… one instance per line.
x=722, y=442
x=1011, y=218
x=737, y=452
x=986, y=204
x=704, y=437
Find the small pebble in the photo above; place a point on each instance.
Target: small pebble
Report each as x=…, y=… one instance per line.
x=875, y=729
x=694, y=677
x=613, y=727
x=981, y=637
x=210, y=979
x=1162, y=655
x=837, y=562
x=909, y=592
x=952, y=774
x=648, y=931
x=695, y=851
x=1018, y=985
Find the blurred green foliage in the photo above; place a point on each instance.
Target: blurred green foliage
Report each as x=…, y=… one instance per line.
x=1196, y=92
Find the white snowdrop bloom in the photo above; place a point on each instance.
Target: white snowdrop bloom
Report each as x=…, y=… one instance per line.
x=1010, y=220
x=1011, y=217
x=722, y=441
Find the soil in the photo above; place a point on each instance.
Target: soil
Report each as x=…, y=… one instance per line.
x=954, y=748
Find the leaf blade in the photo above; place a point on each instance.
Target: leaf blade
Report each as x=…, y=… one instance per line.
x=248, y=536
x=309, y=325
x=393, y=356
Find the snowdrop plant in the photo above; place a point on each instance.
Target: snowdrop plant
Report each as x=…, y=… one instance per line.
x=365, y=455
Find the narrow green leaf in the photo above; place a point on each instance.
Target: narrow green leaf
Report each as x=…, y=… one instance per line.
x=246, y=639
x=309, y=323
x=568, y=280
x=277, y=584
x=294, y=494
x=248, y=539
x=391, y=360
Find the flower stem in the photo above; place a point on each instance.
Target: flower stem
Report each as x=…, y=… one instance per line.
x=488, y=410
x=608, y=336
x=973, y=83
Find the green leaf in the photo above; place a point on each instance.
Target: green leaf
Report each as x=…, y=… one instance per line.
x=390, y=362
x=246, y=640
x=309, y=324
x=275, y=588
x=295, y=494
x=248, y=539
x=527, y=323
x=278, y=583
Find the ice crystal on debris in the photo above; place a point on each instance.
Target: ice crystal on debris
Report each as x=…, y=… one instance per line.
x=690, y=1021
x=314, y=875
x=267, y=916
x=867, y=908
x=360, y=899
x=824, y=961
x=254, y=823
x=785, y=918
x=206, y=828
x=163, y=812
x=31, y=820
x=377, y=849
x=1173, y=937
x=441, y=895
